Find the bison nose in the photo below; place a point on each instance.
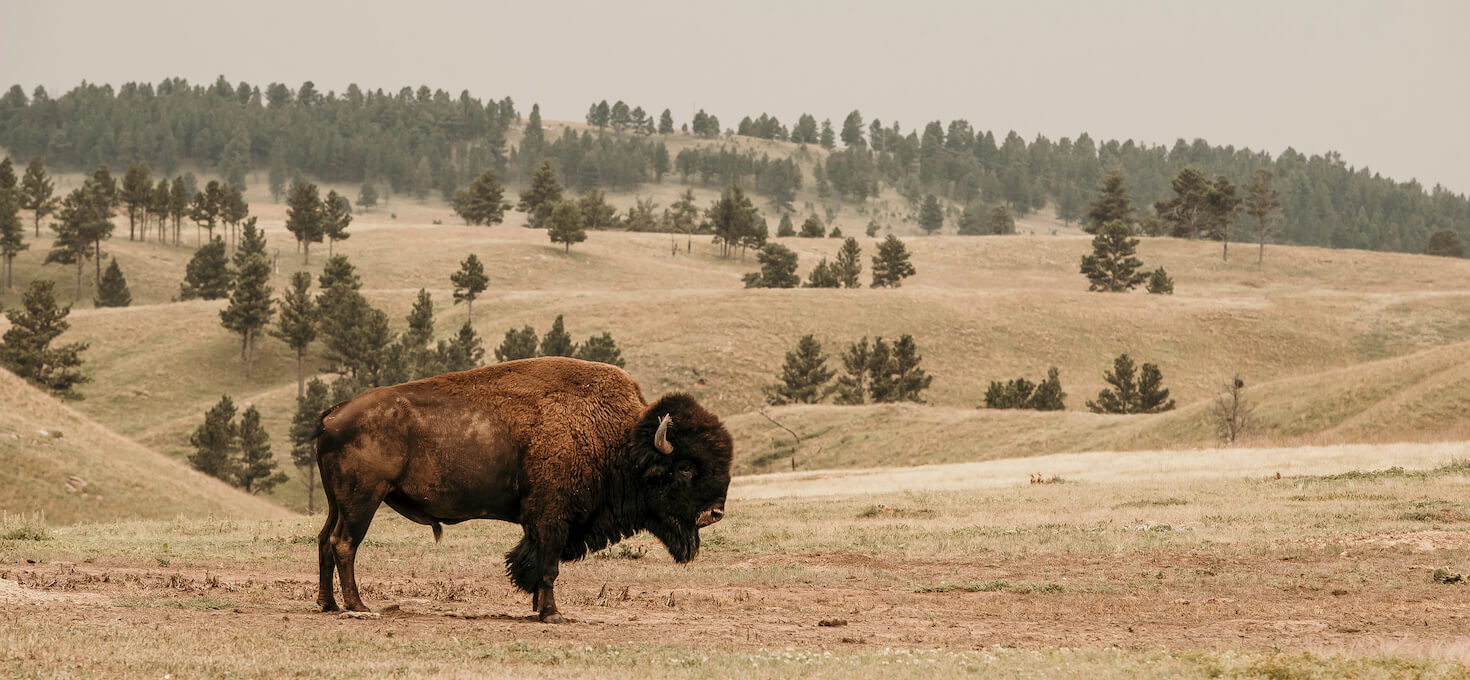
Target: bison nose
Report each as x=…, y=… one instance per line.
x=716, y=514
x=710, y=516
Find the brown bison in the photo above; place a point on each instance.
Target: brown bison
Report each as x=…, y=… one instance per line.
x=568, y=449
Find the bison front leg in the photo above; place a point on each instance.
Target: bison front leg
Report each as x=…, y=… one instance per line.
x=533, y=566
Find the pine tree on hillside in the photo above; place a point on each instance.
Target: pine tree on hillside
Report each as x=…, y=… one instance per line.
x=538, y=200
x=137, y=193
x=852, y=385
x=908, y=379
x=565, y=224
x=12, y=233
x=37, y=192
x=848, y=267
x=931, y=216
x=7, y=175
x=600, y=348
x=778, y=268
x=1187, y=212
x=891, y=265
x=1111, y=267
x=256, y=472
x=1262, y=202
x=112, y=290
x=462, y=352
x=518, y=344
x=1112, y=203
x=26, y=348
x=666, y=123
x=178, y=206
x=852, y=129
x=305, y=217
x=339, y=270
x=1445, y=243
x=216, y=442
x=557, y=342
x=250, y=308
x=823, y=276
x=597, y=213
x=367, y=196
x=158, y=208
x=482, y=202
x=882, y=382
x=812, y=228
x=336, y=217
x=1160, y=283
x=1048, y=395
x=685, y=217
x=785, y=228
x=804, y=376
x=81, y=216
x=733, y=217
x=296, y=324
x=1132, y=392
x=206, y=208
x=1001, y=222
x=469, y=282
x=208, y=275
x=309, y=406
x=356, y=337
x=1222, y=206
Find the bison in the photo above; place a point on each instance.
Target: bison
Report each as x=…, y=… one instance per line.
x=567, y=449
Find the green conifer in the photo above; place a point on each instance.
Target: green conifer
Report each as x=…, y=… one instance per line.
x=112, y=291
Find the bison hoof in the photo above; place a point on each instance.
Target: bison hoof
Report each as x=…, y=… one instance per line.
x=554, y=617
x=329, y=606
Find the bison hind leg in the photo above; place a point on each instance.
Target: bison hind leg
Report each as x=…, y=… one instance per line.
x=523, y=566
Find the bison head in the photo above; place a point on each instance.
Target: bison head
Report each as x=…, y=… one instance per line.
x=686, y=455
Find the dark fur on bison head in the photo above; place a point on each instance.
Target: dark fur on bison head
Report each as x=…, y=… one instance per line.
x=683, y=489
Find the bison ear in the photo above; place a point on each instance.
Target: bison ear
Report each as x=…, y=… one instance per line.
x=661, y=438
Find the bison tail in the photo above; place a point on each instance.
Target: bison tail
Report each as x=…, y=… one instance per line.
x=438, y=532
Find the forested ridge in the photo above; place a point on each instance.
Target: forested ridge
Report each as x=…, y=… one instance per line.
x=418, y=141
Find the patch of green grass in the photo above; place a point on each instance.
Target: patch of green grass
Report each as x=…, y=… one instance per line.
x=622, y=551
x=27, y=533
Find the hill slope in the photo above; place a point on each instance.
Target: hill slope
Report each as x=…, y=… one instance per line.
x=45, y=443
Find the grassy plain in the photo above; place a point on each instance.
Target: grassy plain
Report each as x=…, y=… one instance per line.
x=1156, y=564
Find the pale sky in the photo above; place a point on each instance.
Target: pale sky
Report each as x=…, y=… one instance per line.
x=1382, y=83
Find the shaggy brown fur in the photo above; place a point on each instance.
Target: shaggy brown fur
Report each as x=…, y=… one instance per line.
x=563, y=447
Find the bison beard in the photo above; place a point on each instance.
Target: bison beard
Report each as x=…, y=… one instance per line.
x=565, y=448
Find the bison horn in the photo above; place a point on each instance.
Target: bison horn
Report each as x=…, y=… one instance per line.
x=660, y=438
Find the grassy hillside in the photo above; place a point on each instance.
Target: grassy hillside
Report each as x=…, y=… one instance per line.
x=65, y=468
x=980, y=308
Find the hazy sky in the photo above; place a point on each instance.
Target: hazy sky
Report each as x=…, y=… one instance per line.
x=1383, y=83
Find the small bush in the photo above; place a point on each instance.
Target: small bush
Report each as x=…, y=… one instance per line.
x=1159, y=283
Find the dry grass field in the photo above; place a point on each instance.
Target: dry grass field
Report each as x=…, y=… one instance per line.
x=1156, y=564
x=889, y=540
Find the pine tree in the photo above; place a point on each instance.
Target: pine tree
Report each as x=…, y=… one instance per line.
x=250, y=308
x=305, y=217
x=602, y=349
x=597, y=213
x=1222, y=206
x=823, y=276
x=1001, y=222
x=666, y=123
x=1132, y=392
x=828, y=138
x=1445, y=243
x=206, y=208
x=1111, y=267
x=518, y=344
x=482, y=202
x=208, y=275
x=565, y=225
x=931, y=216
x=178, y=205
x=36, y=192
x=256, y=472
x=12, y=233
x=367, y=196
x=908, y=379
x=296, y=324
x=852, y=129
x=336, y=216
x=469, y=282
x=1048, y=395
x=732, y=217
x=557, y=342
x=882, y=373
x=891, y=265
x=26, y=347
x=1262, y=202
x=309, y=406
x=137, y=193
x=778, y=268
x=1111, y=204
x=1187, y=211
x=685, y=217
x=538, y=200
x=338, y=270
x=851, y=387
x=812, y=228
x=461, y=353
x=159, y=208
x=7, y=175
x=848, y=266
x=112, y=290
x=785, y=228
x=355, y=336
x=216, y=442
x=83, y=215
x=1159, y=283
x=804, y=376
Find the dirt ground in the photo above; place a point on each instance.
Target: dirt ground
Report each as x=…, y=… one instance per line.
x=1312, y=600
